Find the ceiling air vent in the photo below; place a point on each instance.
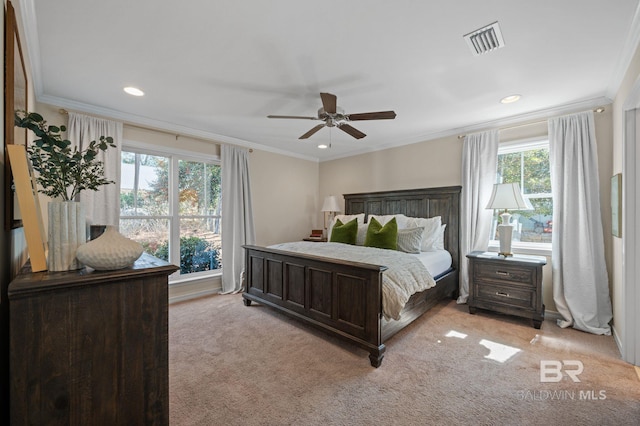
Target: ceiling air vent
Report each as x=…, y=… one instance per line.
x=485, y=39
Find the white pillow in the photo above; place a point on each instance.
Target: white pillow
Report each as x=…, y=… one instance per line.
x=344, y=218
x=431, y=230
x=439, y=244
x=410, y=239
x=401, y=219
x=362, y=234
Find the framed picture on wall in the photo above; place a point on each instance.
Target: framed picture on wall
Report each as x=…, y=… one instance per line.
x=15, y=82
x=616, y=205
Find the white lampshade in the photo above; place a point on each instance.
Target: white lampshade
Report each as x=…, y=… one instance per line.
x=331, y=204
x=507, y=196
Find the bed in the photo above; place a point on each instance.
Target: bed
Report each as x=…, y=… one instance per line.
x=344, y=298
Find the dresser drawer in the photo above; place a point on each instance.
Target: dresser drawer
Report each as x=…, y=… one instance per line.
x=507, y=274
x=504, y=295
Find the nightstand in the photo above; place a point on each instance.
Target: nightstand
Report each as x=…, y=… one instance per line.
x=511, y=285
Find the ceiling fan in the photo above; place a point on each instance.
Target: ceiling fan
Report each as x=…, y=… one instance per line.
x=334, y=116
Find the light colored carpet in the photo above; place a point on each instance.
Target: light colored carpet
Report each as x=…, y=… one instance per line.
x=235, y=365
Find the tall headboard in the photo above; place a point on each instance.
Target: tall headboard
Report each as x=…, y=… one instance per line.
x=425, y=202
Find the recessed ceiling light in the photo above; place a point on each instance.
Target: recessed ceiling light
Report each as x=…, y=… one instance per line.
x=134, y=91
x=509, y=99
x=323, y=146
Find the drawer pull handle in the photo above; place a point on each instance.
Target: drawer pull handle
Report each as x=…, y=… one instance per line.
x=499, y=293
x=505, y=274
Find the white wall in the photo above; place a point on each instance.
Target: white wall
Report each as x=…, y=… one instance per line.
x=285, y=197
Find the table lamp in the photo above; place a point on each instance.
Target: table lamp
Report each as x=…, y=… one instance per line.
x=330, y=206
x=507, y=196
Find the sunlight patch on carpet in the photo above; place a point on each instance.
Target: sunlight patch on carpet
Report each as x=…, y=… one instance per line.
x=457, y=334
x=498, y=352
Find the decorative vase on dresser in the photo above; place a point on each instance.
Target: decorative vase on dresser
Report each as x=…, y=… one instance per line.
x=109, y=251
x=67, y=232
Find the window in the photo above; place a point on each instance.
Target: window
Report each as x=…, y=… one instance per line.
x=171, y=205
x=527, y=163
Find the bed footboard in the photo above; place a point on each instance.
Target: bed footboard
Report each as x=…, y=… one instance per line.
x=342, y=298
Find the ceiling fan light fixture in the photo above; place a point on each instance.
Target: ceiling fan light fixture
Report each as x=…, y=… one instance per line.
x=323, y=146
x=333, y=116
x=510, y=99
x=134, y=91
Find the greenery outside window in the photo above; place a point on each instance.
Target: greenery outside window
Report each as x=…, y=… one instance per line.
x=527, y=163
x=171, y=204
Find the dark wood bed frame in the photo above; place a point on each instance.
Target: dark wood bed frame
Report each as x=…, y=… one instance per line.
x=345, y=298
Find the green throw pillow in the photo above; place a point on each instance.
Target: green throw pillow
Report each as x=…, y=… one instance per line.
x=344, y=233
x=384, y=237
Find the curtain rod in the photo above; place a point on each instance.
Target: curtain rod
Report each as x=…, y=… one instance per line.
x=65, y=112
x=515, y=126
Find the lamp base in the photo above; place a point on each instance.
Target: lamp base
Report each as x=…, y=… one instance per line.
x=505, y=233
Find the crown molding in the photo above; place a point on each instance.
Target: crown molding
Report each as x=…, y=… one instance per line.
x=493, y=124
x=626, y=55
x=165, y=126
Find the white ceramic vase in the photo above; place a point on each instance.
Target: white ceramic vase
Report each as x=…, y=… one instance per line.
x=67, y=232
x=109, y=251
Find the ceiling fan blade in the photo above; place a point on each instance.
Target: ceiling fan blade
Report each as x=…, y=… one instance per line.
x=312, y=131
x=352, y=131
x=293, y=116
x=381, y=115
x=329, y=102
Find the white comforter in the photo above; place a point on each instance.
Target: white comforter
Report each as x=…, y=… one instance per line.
x=405, y=275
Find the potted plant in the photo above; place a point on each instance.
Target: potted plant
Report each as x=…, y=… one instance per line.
x=62, y=172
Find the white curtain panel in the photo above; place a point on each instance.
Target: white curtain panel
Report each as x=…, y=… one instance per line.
x=103, y=206
x=580, y=280
x=237, y=216
x=479, y=162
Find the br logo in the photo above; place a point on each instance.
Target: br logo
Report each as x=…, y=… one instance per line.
x=552, y=370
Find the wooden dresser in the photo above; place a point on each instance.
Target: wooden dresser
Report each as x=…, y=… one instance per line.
x=90, y=347
x=511, y=285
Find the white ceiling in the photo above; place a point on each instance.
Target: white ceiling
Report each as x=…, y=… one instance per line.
x=217, y=68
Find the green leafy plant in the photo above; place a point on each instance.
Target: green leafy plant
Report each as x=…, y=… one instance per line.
x=196, y=254
x=63, y=171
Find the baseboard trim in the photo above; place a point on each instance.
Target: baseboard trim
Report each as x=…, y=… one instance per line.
x=616, y=338
x=193, y=295
x=552, y=315
x=192, y=289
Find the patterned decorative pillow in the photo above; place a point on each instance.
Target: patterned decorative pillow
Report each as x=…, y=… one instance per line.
x=344, y=233
x=384, y=237
x=410, y=239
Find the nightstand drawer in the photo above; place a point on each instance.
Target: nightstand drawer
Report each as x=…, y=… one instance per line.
x=505, y=295
x=507, y=274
